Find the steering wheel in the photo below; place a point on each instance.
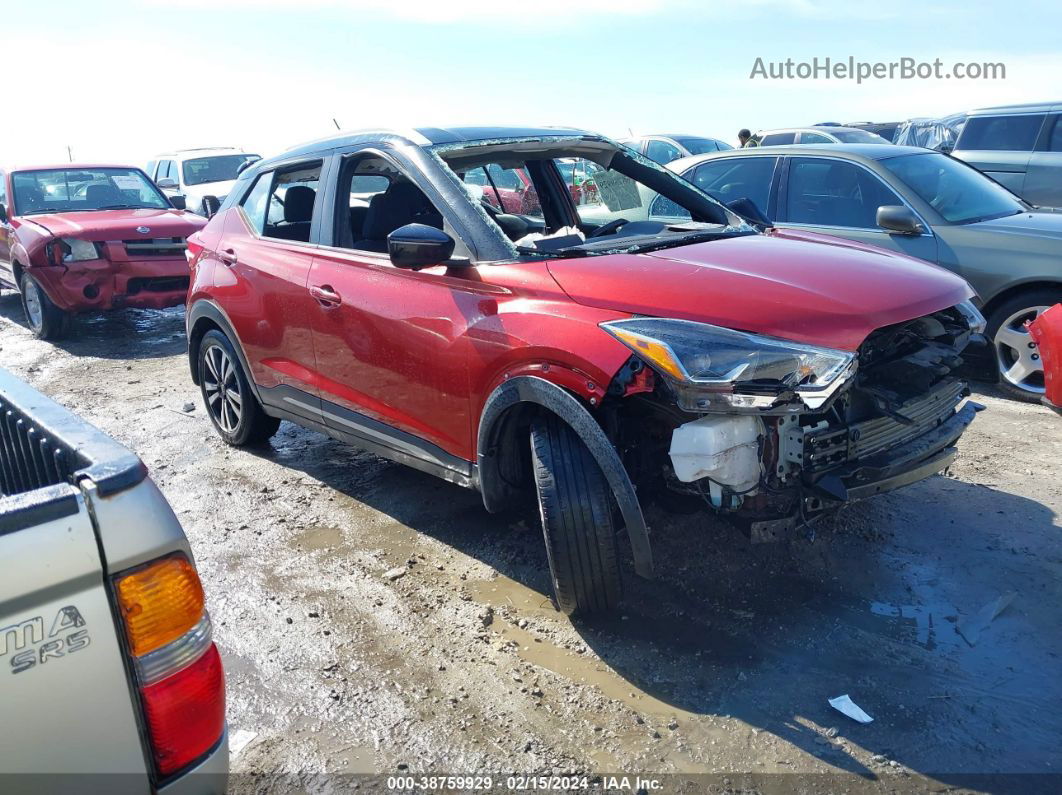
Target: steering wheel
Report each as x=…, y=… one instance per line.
x=609, y=228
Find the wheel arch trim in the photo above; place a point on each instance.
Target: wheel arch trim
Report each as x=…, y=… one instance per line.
x=204, y=309
x=538, y=391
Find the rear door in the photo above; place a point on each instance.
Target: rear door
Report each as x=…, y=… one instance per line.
x=1001, y=146
x=1043, y=180
x=730, y=178
x=841, y=197
x=267, y=251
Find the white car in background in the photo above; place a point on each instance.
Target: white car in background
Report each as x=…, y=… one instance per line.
x=818, y=135
x=663, y=149
x=195, y=174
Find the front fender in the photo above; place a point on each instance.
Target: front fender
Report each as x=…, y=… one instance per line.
x=540, y=392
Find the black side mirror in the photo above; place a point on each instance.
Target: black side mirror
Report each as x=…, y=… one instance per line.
x=211, y=205
x=178, y=202
x=419, y=246
x=897, y=218
x=3, y=214
x=750, y=211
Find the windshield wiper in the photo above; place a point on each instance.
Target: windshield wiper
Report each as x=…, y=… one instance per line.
x=122, y=207
x=559, y=252
x=688, y=240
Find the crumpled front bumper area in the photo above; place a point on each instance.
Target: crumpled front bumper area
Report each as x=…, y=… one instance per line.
x=99, y=285
x=898, y=466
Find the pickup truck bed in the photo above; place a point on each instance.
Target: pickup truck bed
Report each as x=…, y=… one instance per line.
x=76, y=509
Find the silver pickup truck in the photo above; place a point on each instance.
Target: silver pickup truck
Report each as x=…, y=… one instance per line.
x=109, y=679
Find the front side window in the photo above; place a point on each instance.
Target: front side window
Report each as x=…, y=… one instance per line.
x=729, y=179
x=289, y=211
x=219, y=168
x=84, y=190
x=960, y=193
x=835, y=193
x=1055, y=143
x=1001, y=133
x=662, y=152
x=255, y=203
x=857, y=137
x=814, y=138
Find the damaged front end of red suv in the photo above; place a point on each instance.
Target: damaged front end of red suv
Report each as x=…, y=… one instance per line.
x=773, y=433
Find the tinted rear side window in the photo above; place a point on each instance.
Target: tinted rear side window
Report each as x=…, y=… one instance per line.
x=728, y=179
x=1001, y=133
x=1055, y=143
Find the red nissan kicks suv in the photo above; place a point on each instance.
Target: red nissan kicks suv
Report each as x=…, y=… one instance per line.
x=649, y=339
x=87, y=238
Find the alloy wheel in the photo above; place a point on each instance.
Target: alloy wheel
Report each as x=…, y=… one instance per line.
x=1019, y=359
x=32, y=297
x=222, y=387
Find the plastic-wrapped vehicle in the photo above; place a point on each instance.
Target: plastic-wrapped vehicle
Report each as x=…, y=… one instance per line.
x=90, y=238
x=109, y=679
x=767, y=376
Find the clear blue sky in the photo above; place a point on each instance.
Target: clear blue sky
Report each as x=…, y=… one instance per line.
x=121, y=80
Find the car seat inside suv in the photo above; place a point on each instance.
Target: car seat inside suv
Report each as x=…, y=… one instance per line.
x=298, y=211
x=402, y=203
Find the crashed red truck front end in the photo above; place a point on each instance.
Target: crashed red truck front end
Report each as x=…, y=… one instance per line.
x=92, y=239
x=149, y=274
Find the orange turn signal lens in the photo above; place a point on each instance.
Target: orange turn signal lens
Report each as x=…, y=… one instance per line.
x=159, y=603
x=653, y=351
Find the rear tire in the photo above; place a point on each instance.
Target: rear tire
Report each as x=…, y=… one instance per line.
x=237, y=415
x=1021, y=372
x=575, y=504
x=45, y=319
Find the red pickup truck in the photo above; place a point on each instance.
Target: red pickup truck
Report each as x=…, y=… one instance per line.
x=88, y=238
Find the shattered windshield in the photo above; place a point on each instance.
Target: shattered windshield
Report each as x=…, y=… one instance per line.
x=84, y=189
x=621, y=200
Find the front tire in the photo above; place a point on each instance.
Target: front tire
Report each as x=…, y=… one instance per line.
x=231, y=405
x=45, y=319
x=575, y=504
x=1021, y=371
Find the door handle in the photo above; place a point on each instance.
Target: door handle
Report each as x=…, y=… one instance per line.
x=228, y=256
x=325, y=295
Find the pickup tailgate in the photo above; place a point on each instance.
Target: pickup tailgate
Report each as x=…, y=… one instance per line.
x=68, y=709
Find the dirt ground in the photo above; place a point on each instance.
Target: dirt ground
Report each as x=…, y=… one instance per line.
x=721, y=666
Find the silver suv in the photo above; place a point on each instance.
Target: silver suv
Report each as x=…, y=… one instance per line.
x=195, y=174
x=1020, y=147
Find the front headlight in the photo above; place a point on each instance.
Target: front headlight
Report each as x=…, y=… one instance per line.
x=719, y=369
x=974, y=319
x=75, y=250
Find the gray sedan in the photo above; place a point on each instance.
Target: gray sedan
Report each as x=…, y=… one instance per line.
x=918, y=202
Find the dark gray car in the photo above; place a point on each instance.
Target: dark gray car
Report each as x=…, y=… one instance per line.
x=1019, y=146
x=919, y=202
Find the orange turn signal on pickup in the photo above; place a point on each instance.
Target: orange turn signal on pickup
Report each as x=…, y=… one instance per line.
x=159, y=603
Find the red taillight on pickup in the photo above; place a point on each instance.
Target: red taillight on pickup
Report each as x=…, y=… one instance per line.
x=185, y=712
x=178, y=669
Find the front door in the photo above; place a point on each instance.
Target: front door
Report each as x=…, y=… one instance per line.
x=1043, y=180
x=839, y=197
x=390, y=347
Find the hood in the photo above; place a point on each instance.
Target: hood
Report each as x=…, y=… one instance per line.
x=119, y=224
x=799, y=286
x=220, y=189
x=1045, y=225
